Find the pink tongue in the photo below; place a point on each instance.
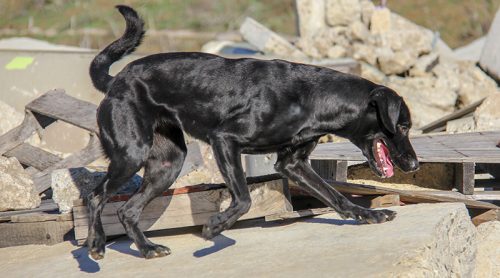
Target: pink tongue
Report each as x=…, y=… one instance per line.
x=385, y=157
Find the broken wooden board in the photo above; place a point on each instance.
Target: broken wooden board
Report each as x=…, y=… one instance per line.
x=58, y=105
x=184, y=207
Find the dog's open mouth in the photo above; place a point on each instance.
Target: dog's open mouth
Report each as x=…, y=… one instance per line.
x=383, y=159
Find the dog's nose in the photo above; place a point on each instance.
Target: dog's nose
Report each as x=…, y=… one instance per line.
x=414, y=165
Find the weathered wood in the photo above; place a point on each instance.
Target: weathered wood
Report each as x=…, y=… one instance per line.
x=18, y=135
x=45, y=206
x=407, y=196
x=478, y=147
x=32, y=156
x=440, y=124
x=331, y=169
x=188, y=209
x=464, y=177
x=79, y=159
x=58, y=105
x=46, y=232
x=40, y=217
x=384, y=201
x=481, y=216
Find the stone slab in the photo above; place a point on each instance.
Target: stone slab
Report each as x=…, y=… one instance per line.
x=490, y=56
x=431, y=240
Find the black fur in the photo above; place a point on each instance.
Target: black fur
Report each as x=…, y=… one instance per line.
x=237, y=106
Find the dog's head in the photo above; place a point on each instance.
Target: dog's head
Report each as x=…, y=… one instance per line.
x=382, y=134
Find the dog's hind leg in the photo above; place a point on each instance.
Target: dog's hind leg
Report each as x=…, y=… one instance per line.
x=119, y=172
x=228, y=157
x=295, y=166
x=162, y=168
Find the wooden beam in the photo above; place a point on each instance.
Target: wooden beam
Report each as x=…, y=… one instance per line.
x=57, y=104
x=331, y=169
x=188, y=209
x=18, y=135
x=440, y=124
x=28, y=155
x=44, y=232
x=464, y=177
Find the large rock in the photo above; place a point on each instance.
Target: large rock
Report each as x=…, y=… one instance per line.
x=487, y=116
x=16, y=187
x=342, y=12
x=427, y=97
x=380, y=21
x=268, y=41
x=470, y=52
x=372, y=73
x=311, y=16
x=490, y=56
x=72, y=184
x=395, y=62
x=475, y=85
x=488, y=250
x=425, y=64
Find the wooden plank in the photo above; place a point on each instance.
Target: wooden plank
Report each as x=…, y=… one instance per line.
x=47, y=232
x=18, y=135
x=79, y=159
x=32, y=156
x=331, y=169
x=479, y=147
x=481, y=216
x=41, y=217
x=407, y=196
x=439, y=124
x=58, y=105
x=191, y=209
x=45, y=206
x=464, y=177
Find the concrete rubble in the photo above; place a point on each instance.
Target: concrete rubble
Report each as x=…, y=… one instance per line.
x=393, y=51
x=488, y=250
x=16, y=186
x=428, y=240
x=69, y=185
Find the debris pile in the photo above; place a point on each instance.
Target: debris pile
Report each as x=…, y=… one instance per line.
x=392, y=50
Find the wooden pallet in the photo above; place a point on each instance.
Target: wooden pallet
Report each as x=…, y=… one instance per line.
x=43, y=225
x=188, y=206
x=464, y=150
x=57, y=105
x=50, y=107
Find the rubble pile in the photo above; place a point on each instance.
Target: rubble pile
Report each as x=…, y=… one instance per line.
x=392, y=50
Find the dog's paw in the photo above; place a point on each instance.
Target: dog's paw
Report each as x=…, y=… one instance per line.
x=377, y=216
x=96, y=248
x=155, y=251
x=96, y=253
x=209, y=232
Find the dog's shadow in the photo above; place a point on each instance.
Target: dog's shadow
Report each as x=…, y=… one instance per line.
x=220, y=242
x=88, y=265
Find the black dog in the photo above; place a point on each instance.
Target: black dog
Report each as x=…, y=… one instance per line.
x=237, y=106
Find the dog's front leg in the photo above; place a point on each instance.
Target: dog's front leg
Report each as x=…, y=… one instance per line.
x=295, y=166
x=228, y=157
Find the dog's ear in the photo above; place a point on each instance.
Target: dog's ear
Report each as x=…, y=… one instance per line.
x=388, y=105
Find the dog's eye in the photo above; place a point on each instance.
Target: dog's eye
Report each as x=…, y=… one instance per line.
x=404, y=129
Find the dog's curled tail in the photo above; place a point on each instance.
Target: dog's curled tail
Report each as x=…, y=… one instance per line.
x=130, y=40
